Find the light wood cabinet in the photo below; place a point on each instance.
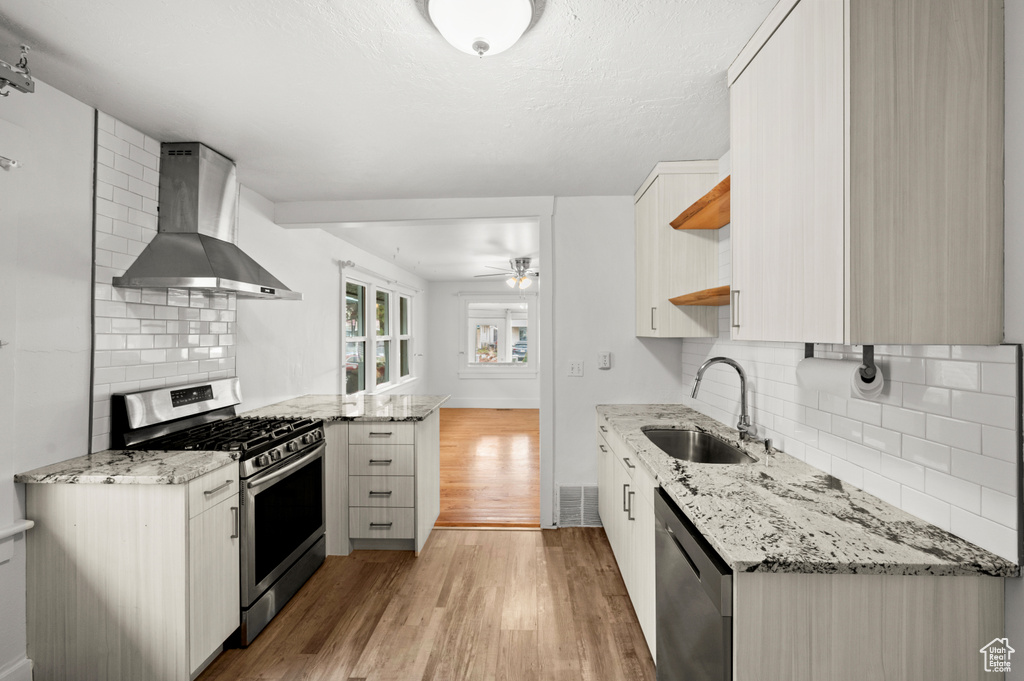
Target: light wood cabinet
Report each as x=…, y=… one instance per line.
x=336, y=472
x=626, y=505
x=867, y=173
x=671, y=262
x=132, y=582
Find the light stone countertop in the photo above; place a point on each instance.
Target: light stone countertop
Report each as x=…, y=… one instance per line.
x=789, y=516
x=126, y=467
x=364, y=408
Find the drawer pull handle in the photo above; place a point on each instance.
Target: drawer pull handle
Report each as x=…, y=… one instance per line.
x=629, y=513
x=625, y=497
x=381, y=462
x=380, y=494
x=603, y=448
x=625, y=460
x=234, y=514
x=218, y=488
x=603, y=429
x=387, y=434
x=385, y=525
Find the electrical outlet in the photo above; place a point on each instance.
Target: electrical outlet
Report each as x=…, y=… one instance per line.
x=576, y=367
x=604, y=360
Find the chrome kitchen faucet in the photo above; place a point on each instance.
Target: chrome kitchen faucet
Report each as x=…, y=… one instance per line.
x=746, y=429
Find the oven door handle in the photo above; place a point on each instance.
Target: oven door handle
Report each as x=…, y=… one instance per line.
x=281, y=472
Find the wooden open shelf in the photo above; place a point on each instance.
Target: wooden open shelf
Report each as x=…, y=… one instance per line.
x=710, y=211
x=717, y=296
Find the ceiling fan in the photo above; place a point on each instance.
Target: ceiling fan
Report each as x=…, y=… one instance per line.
x=518, y=274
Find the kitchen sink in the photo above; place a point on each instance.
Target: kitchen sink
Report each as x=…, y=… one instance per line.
x=695, y=446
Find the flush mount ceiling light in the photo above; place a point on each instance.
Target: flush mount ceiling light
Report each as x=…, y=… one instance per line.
x=481, y=27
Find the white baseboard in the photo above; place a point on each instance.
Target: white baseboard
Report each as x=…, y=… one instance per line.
x=19, y=671
x=492, y=403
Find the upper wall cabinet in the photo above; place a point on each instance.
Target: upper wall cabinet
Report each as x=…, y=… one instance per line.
x=669, y=261
x=867, y=173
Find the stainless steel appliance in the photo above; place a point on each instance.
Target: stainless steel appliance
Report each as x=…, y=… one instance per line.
x=281, y=471
x=694, y=595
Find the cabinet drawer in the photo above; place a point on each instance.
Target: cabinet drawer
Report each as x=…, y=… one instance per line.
x=209, y=490
x=381, y=490
x=381, y=432
x=381, y=523
x=381, y=460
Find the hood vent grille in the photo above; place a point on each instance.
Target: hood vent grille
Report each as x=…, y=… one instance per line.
x=195, y=246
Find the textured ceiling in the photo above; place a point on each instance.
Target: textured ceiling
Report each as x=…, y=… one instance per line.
x=447, y=250
x=350, y=99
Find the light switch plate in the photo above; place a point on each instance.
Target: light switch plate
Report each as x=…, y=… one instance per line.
x=576, y=367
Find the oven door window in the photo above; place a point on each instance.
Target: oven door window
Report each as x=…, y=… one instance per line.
x=286, y=514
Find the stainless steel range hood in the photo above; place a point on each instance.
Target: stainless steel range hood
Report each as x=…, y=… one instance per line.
x=195, y=243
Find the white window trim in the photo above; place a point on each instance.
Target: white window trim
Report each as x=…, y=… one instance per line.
x=473, y=370
x=371, y=337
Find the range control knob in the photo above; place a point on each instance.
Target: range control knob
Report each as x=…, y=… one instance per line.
x=275, y=454
x=291, y=446
x=318, y=434
x=262, y=460
x=307, y=438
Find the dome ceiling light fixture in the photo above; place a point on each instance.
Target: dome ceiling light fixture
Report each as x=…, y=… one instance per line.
x=481, y=27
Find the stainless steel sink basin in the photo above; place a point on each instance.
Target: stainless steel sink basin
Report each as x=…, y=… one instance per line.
x=695, y=446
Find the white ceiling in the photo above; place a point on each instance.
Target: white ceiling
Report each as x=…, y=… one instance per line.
x=447, y=250
x=363, y=99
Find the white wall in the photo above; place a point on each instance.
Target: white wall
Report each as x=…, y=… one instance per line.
x=291, y=348
x=46, y=273
x=444, y=328
x=593, y=310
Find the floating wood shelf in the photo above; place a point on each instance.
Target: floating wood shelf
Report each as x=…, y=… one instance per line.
x=717, y=296
x=710, y=211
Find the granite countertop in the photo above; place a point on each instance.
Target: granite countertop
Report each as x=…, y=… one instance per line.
x=126, y=467
x=363, y=408
x=789, y=516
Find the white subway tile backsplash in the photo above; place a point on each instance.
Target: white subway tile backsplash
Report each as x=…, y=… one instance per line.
x=848, y=472
x=865, y=457
x=962, y=493
x=994, y=410
x=950, y=374
x=929, y=454
x=1000, y=443
x=1006, y=354
x=999, y=507
x=935, y=511
x=832, y=404
x=903, y=369
x=985, y=533
x=865, y=412
x=955, y=433
x=940, y=351
x=833, y=445
x=882, y=439
x=128, y=134
x=986, y=471
x=927, y=399
x=903, y=420
x=126, y=165
x=998, y=379
x=885, y=489
x=847, y=428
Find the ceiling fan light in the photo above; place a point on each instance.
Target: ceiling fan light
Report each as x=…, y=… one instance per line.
x=511, y=281
x=524, y=282
x=481, y=27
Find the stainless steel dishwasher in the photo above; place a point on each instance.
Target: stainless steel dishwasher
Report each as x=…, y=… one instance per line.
x=694, y=595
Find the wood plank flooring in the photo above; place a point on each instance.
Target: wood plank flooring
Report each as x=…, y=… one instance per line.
x=490, y=468
x=477, y=605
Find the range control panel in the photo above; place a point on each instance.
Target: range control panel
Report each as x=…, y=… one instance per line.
x=202, y=393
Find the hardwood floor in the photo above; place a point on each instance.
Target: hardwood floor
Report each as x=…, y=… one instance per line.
x=490, y=468
x=476, y=605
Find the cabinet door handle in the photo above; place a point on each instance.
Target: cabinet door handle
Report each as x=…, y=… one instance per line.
x=603, y=448
x=234, y=518
x=734, y=307
x=382, y=434
x=381, y=462
x=654, y=326
x=625, y=460
x=625, y=498
x=380, y=494
x=211, y=492
x=629, y=511
x=385, y=525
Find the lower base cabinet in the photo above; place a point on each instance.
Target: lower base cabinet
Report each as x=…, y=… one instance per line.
x=630, y=527
x=132, y=582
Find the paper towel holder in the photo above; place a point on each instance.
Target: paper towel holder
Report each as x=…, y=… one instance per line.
x=868, y=368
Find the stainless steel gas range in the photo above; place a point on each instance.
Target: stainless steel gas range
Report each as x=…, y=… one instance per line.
x=281, y=469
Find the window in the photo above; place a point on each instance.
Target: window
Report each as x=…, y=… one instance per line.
x=497, y=332
x=403, y=335
x=375, y=337
x=355, y=338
